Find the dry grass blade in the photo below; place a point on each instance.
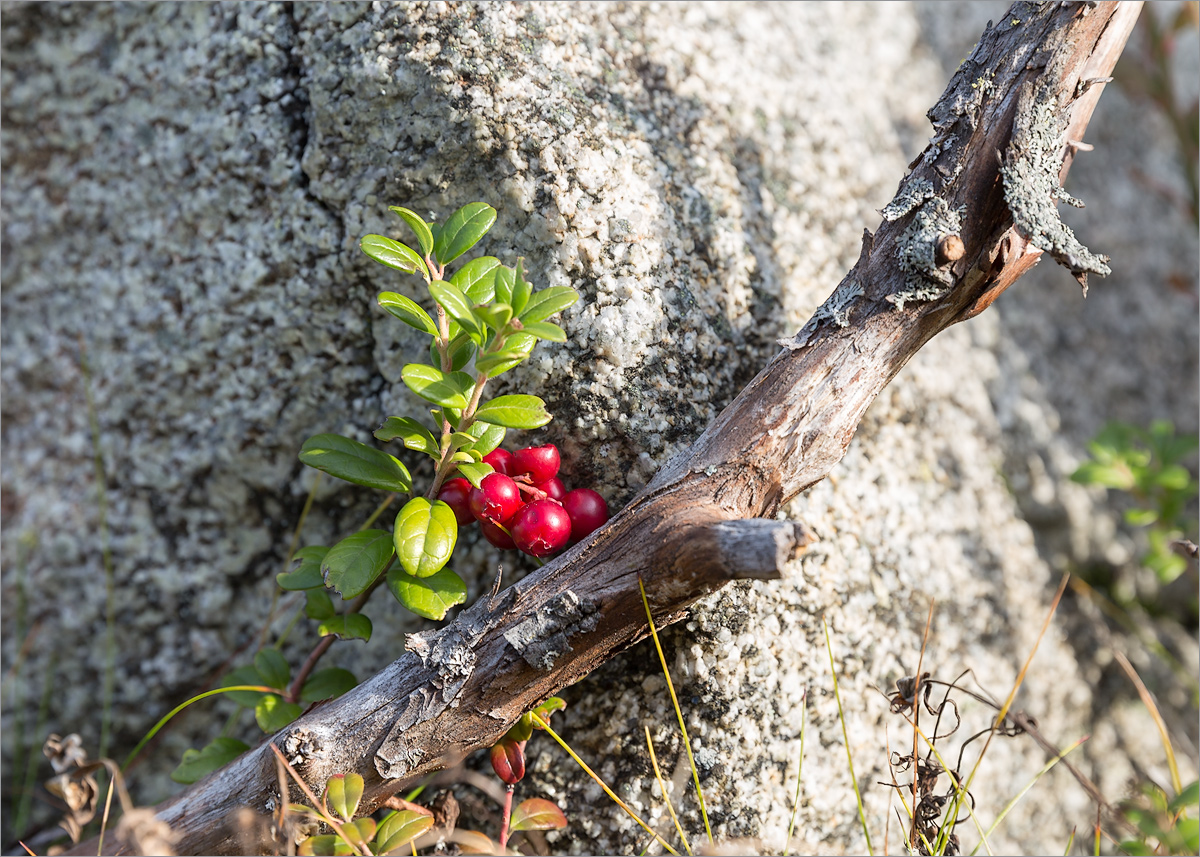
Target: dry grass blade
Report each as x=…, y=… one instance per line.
x=799, y=769
x=318, y=805
x=1148, y=701
x=662, y=786
x=862, y=814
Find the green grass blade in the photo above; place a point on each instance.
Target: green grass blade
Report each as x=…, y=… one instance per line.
x=862, y=814
x=178, y=708
x=799, y=768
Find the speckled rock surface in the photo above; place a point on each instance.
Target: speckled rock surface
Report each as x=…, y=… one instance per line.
x=184, y=189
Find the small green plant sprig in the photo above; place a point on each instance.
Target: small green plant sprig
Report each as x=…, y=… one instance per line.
x=1147, y=465
x=1166, y=825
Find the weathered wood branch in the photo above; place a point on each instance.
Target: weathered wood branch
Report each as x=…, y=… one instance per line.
x=976, y=212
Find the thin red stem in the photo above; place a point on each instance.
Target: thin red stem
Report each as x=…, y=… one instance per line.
x=508, y=800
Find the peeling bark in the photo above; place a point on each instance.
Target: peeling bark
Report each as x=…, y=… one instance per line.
x=1025, y=93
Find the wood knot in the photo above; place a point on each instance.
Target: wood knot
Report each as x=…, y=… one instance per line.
x=950, y=248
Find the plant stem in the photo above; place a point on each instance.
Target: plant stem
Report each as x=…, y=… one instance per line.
x=508, y=800
x=322, y=647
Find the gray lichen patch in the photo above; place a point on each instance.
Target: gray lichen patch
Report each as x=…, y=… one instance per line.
x=916, y=253
x=836, y=310
x=545, y=636
x=912, y=193
x=1030, y=174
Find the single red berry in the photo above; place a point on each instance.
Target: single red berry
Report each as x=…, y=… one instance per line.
x=456, y=494
x=539, y=462
x=496, y=536
x=587, y=510
x=553, y=488
x=496, y=500
x=501, y=461
x=540, y=528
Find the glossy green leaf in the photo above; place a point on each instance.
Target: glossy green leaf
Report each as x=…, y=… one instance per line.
x=1109, y=475
x=488, y=437
x=519, y=412
x=522, y=289
x=352, y=565
x=494, y=316
x=360, y=832
x=462, y=230
x=307, y=575
x=499, y=362
x=547, y=302
x=273, y=669
x=457, y=306
x=400, y=828
x=243, y=675
x=459, y=439
x=272, y=713
x=393, y=254
x=503, y=284
x=450, y=390
x=1141, y=517
x=1190, y=796
x=430, y=597
x=324, y=845
x=473, y=842
x=537, y=814
x=521, y=730
x=343, y=793
x=462, y=349
x=414, y=435
x=547, y=708
x=349, y=626
x=425, y=534
x=546, y=330
x=327, y=684
x=419, y=227
x=408, y=311
x=477, y=279
x=198, y=764
x=318, y=605
x=474, y=473
x=355, y=462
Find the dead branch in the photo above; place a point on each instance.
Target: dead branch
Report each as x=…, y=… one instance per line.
x=976, y=211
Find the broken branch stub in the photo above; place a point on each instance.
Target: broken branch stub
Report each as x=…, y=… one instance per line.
x=1022, y=95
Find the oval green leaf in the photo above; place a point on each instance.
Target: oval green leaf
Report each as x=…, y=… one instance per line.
x=545, y=330
x=499, y=362
x=474, y=473
x=463, y=230
x=547, y=302
x=521, y=289
x=457, y=306
x=477, y=279
x=537, y=814
x=415, y=436
x=519, y=412
x=450, y=390
x=272, y=713
x=494, y=316
x=352, y=565
x=419, y=227
x=307, y=575
x=506, y=277
x=349, y=626
x=385, y=251
x=430, y=597
x=408, y=311
x=327, y=684
x=399, y=829
x=425, y=534
x=272, y=668
x=318, y=605
x=343, y=793
x=324, y=845
x=488, y=437
x=355, y=462
x=200, y=763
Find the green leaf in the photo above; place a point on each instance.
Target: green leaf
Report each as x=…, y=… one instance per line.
x=463, y=230
x=400, y=828
x=521, y=730
x=519, y=412
x=352, y=565
x=430, y=596
x=1174, y=478
x=547, y=302
x=474, y=473
x=425, y=534
x=419, y=227
x=457, y=306
x=505, y=279
x=318, y=605
x=272, y=713
x=462, y=349
x=355, y=462
x=451, y=390
x=547, y=708
x=477, y=279
x=415, y=436
x=521, y=289
x=197, y=764
x=272, y=668
x=1136, y=848
x=1189, y=831
x=325, y=845
x=243, y=675
x=308, y=574
x=393, y=254
x=359, y=832
x=1190, y=796
x=348, y=626
x=343, y=793
x=545, y=330
x=327, y=684
x=1141, y=517
x=488, y=437
x=408, y=311
x=494, y=316
x=1108, y=475
x=537, y=814
x=499, y=362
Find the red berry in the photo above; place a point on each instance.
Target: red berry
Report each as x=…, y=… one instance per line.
x=553, y=488
x=539, y=462
x=496, y=500
x=540, y=528
x=587, y=510
x=456, y=494
x=496, y=536
x=501, y=461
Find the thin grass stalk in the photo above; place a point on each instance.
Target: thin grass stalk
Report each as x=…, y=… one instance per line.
x=1148, y=701
x=178, y=708
x=25, y=807
x=799, y=768
x=862, y=814
x=666, y=798
x=318, y=805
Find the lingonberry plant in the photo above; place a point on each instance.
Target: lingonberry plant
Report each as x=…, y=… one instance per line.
x=486, y=318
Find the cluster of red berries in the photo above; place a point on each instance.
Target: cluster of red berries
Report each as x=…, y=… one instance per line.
x=524, y=505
